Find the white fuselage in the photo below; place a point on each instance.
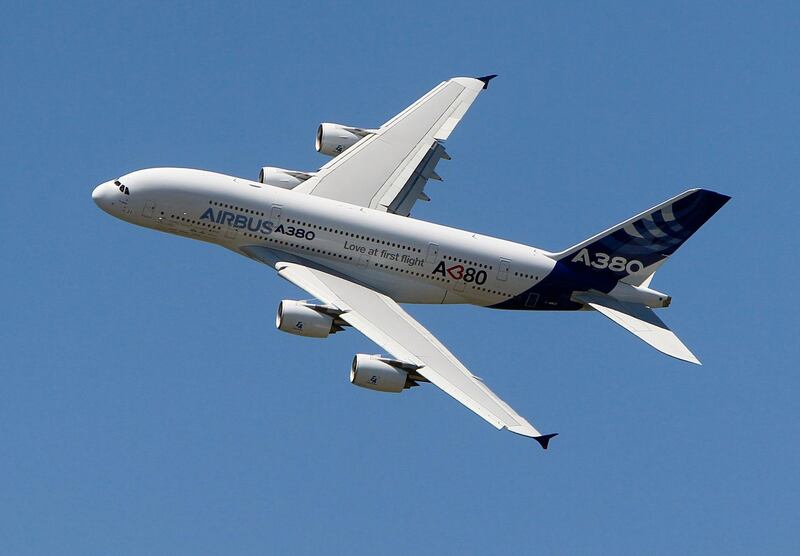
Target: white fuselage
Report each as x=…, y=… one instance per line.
x=409, y=260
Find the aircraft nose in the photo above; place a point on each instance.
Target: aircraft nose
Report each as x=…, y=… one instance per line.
x=102, y=196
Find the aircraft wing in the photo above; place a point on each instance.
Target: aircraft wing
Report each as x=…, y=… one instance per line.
x=387, y=170
x=384, y=322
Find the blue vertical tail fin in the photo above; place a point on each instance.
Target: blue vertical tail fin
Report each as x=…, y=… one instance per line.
x=633, y=250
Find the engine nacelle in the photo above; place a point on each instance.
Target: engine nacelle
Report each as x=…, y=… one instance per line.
x=280, y=177
x=373, y=372
x=303, y=319
x=334, y=139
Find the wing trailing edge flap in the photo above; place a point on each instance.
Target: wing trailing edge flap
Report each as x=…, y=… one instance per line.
x=405, y=186
x=409, y=185
x=642, y=322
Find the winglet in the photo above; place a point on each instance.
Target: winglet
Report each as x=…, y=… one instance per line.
x=544, y=440
x=485, y=79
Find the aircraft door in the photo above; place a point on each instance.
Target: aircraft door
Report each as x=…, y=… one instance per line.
x=149, y=209
x=433, y=253
x=275, y=213
x=502, y=270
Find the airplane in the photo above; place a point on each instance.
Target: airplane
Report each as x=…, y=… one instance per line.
x=344, y=235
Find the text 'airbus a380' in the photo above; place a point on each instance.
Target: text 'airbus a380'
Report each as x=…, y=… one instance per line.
x=343, y=234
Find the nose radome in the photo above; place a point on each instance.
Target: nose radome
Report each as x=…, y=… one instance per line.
x=102, y=196
x=96, y=194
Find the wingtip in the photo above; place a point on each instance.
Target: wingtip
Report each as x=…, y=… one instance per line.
x=485, y=80
x=544, y=439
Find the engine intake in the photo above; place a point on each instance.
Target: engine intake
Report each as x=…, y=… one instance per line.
x=381, y=374
x=303, y=319
x=334, y=139
x=281, y=177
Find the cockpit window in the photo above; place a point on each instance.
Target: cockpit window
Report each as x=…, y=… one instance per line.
x=123, y=188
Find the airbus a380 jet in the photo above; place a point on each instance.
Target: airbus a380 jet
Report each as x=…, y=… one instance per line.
x=343, y=234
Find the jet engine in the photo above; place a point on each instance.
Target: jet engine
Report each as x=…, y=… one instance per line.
x=305, y=319
x=382, y=374
x=280, y=177
x=334, y=139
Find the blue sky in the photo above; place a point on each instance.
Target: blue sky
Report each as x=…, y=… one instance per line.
x=148, y=405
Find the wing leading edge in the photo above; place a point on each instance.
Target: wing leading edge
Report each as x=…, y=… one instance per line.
x=387, y=170
x=384, y=322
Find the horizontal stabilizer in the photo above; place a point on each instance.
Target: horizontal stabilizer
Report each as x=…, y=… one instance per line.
x=641, y=321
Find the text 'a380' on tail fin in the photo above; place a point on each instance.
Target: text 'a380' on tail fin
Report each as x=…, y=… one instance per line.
x=642, y=322
x=632, y=250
